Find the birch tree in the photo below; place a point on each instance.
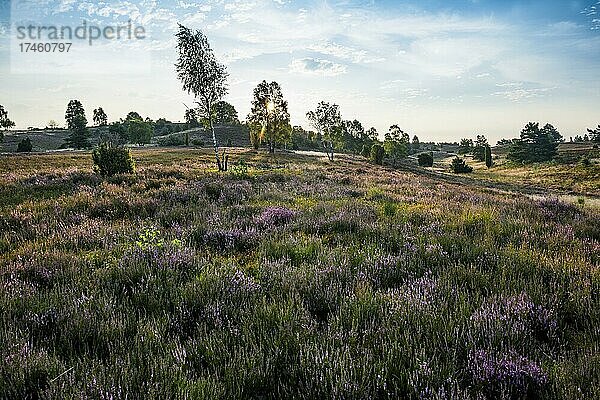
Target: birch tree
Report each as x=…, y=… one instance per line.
x=204, y=77
x=326, y=120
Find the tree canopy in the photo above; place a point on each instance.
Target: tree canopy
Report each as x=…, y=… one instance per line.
x=270, y=112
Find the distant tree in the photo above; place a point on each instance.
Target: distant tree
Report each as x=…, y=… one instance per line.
x=5, y=122
x=479, y=148
x=52, y=124
x=465, y=146
x=372, y=134
x=365, y=151
x=303, y=139
x=377, y=153
x=396, y=143
x=117, y=134
x=488, y=156
x=138, y=131
x=504, y=142
x=586, y=138
x=578, y=138
x=25, y=146
x=327, y=121
x=203, y=77
x=416, y=145
x=425, y=159
x=535, y=144
x=100, y=118
x=270, y=111
x=459, y=166
x=133, y=116
x=595, y=134
x=77, y=124
x=191, y=119
x=225, y=114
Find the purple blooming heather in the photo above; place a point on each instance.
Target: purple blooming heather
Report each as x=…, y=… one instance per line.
x=516, y=314
x=275, y=216
x=512, y=373
x=232, y=239
x=555, y=209
x=416, y=294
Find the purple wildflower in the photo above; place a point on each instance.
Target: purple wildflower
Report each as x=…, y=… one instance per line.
x=509, y=373
x=275, y=216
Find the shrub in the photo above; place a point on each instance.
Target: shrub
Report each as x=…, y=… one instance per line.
x=197, y=142
x=377, y=154
x=109, y=160
x=365, y=151
x=459, y=166
x=25, y=146
x=172, y=140
x=426, y=159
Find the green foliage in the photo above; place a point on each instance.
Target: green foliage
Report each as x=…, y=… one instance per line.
x=240, y=168
x=270, y=112
x=109, y=161
x=377, y=154
x=459, y=166
x=535, y=144
x=466, y=146
x=24, y=146
x=100, y=118
x=138, y=131
x=175, y=139
x=5, y=122
x=425, y=159
x=396, y=144
x=225, y=114
x=366, y=151
x=479, y=148
x=77, y=124
x=595, y=134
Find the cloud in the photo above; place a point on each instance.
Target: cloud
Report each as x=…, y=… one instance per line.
x=315, y=66
x=344, y=52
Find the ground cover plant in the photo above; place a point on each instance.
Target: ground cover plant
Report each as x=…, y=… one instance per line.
x=289, y=277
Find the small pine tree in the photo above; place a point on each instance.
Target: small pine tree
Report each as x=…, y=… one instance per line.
x=459, y=166
x=488, y=156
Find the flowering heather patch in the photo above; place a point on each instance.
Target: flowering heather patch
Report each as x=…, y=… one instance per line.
x=516, y=315
x=419, y=288
x=275, y=216
x=555, y=209
x=506, y=375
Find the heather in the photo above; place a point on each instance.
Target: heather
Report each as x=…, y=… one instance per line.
x=297, y=278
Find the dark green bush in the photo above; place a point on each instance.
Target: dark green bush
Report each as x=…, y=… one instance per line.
x=425, y=159
x=459, y=166
x=109, y=161
x=25, y=146
x=365, y=151
x=377, y=154
x=176, y=139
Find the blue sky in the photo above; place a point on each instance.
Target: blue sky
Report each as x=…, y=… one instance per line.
x=440, y=69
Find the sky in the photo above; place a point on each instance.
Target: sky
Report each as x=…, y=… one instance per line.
x=442, y=70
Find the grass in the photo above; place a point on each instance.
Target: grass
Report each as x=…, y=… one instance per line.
x=294, y=279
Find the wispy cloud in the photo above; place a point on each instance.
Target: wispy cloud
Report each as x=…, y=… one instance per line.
x=315, y=66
